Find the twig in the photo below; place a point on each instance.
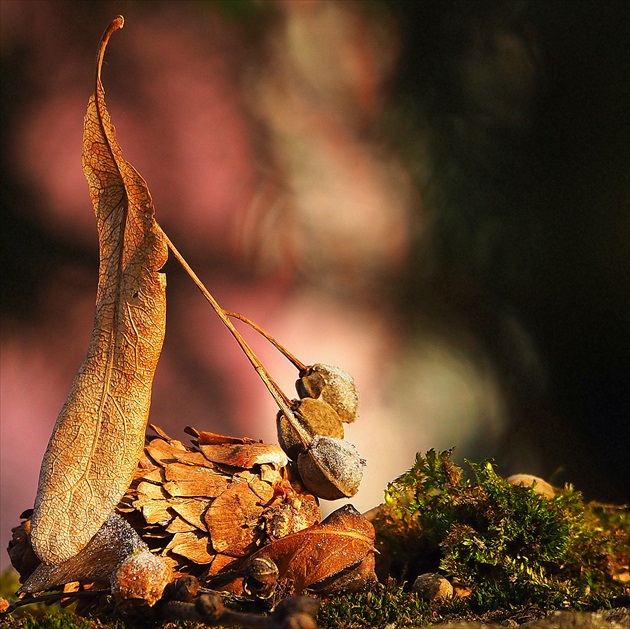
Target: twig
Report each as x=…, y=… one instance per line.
x=278, y=395
x=298, y=612
x=303, y=369
x=53, y=597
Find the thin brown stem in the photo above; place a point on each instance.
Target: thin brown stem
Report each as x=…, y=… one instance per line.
x=52, y=597
x=278, y=395
x=281, y=348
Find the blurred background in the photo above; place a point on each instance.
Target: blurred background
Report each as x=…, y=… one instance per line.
x=432, y=195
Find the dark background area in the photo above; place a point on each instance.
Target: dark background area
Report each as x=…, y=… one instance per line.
x=534, y=217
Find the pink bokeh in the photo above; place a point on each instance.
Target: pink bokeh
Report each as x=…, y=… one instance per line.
x=265, y=173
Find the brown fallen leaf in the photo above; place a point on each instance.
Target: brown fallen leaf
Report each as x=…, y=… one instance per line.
x=233, y=521
x=336, y=555
x=245, y=455
x=190, y=480
x=99, y=434
x=112, y=543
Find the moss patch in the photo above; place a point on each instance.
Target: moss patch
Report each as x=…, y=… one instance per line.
x=515, y=553
x=509, y=544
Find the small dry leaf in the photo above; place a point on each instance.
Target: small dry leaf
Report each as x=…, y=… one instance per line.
x=322, y=556
x=111, y=544
x=245, y=455
x=99, y=434
x=233, y=520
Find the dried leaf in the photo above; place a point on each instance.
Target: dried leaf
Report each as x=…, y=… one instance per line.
x=191, y=510
x=112, y=543
x=189, y=480
x=233, y=520
x=322, y=556
x=245, y=455
x=99, y=435
x=192, y=546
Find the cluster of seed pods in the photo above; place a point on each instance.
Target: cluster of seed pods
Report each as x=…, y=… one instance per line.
x=310, y=429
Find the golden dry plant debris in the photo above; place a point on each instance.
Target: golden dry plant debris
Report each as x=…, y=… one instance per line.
x=99, y=434
x=113, y=543
x=333, y=557
x=205, y=505
x=120, y=513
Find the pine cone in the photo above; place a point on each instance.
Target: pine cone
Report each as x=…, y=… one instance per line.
x=205, y=506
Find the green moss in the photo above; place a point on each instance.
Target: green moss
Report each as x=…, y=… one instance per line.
x=389, y=604
x=515, y=549
x=508, y=543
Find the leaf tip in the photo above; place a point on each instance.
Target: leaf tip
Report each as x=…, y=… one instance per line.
x=117, y=23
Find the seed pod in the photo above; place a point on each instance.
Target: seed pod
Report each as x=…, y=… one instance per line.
x=140, y=578
x=316, y=417
x=261, y=578
x=332, y=385
x=331, y=468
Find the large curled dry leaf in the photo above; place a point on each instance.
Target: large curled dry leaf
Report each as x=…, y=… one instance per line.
x=99, y=435
x=332, y=557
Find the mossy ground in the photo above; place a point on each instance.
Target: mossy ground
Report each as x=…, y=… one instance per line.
x=516, y=554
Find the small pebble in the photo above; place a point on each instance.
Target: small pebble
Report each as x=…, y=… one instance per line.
x=539, y=485
x=433, y=587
